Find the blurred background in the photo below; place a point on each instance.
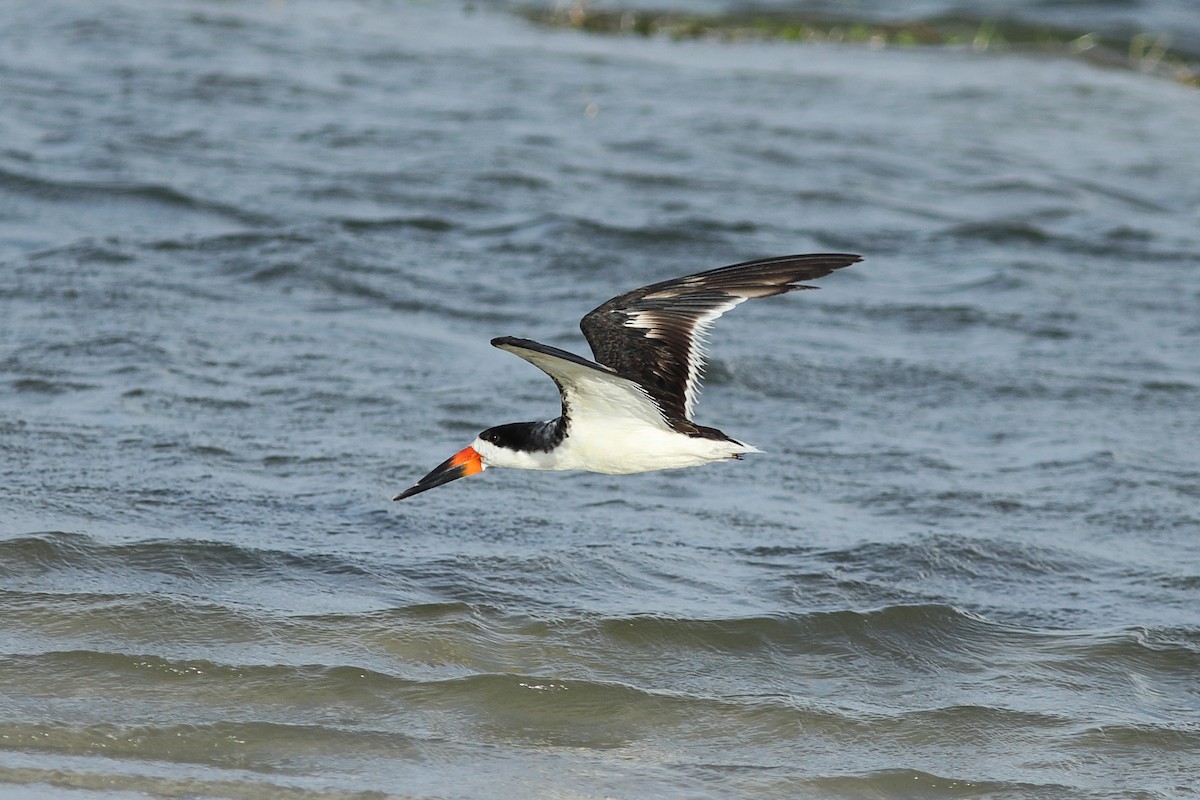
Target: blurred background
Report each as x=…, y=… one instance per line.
x=252, y=254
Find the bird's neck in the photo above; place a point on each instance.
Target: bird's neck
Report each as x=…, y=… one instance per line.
x=544, y=436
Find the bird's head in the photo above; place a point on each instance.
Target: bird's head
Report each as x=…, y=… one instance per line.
x=496, y=447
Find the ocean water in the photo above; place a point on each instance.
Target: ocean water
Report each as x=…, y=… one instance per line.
x=252, y=254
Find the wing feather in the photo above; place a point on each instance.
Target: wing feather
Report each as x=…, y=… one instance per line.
x=586, y=388
x=654, y=336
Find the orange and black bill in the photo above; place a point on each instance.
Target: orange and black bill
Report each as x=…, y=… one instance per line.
x=463, y=463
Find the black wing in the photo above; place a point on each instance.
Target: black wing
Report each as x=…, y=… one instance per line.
x=655, y=335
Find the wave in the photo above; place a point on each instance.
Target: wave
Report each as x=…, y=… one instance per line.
x=183, y=665
x=153, y=780
x=38, y=552
x=609, y=237
x=210, y=693
x=915, y=783
x=267, y=716
x=105, y=193
x=140, y=595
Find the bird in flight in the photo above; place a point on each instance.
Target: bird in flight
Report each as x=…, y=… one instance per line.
x=631, y=409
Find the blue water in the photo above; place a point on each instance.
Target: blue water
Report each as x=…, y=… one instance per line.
x=251, y=256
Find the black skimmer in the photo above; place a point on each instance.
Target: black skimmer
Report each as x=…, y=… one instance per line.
x=631, y=409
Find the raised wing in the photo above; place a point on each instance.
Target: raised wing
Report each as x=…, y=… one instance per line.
x=587, y=389
x=655, y=336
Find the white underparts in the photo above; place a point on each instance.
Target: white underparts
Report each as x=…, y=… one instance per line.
x=619, y=447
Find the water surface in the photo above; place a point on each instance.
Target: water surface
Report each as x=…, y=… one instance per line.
x=251, y=256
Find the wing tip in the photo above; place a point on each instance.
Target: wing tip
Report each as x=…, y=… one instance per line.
x=831, y=263
x=830, y=260
x=524, y=347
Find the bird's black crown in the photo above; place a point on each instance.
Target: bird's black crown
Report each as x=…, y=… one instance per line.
x=526, y=436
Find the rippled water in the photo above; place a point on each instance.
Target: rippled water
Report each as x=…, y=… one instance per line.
x=251, y=256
